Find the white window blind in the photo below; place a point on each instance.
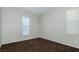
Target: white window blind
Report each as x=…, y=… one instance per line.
x=25, y=26
x=72, y=17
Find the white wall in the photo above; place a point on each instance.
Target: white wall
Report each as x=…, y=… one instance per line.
x=0, y=28
x=11, y=25
x=54, y=27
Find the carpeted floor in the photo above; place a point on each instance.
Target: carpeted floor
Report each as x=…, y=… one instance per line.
x=37, y=45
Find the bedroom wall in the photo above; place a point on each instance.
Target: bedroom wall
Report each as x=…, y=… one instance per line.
x=54, y=27
x=0, y=28
x=11, y=25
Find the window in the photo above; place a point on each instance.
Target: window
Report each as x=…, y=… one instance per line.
x=25, y=26
x=73, y=21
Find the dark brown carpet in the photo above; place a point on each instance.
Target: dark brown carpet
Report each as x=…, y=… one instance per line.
x=37, y=45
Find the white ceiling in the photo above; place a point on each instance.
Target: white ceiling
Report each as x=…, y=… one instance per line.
x=36, y=10
x=40, y=10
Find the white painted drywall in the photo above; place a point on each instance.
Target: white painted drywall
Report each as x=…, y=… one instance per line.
x=0, y=28
x=12, y=27
x=54, y=27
